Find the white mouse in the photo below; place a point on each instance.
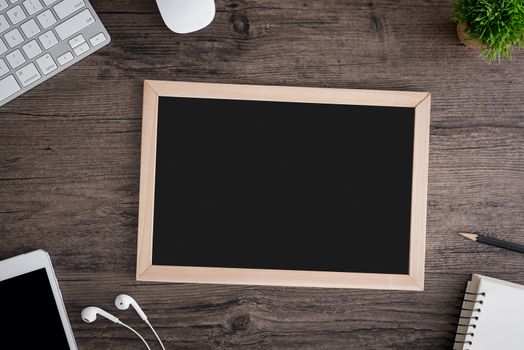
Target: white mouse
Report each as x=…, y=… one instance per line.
x=186, y=16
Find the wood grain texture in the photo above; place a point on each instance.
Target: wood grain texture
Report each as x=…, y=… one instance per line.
x=69, y=169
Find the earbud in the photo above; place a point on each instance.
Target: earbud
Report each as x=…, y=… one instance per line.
x=123, y=301
x=89, y=314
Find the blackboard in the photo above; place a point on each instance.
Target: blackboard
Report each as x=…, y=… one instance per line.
x=283, y=186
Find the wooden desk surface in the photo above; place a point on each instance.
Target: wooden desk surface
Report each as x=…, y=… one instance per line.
x=69, y=167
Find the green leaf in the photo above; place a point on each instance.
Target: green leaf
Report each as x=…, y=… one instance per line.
x=498, y=24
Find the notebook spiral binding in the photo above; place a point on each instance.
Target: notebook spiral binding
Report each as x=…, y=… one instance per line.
x=475, y=312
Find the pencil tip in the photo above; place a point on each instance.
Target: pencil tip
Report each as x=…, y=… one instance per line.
x=471, y=236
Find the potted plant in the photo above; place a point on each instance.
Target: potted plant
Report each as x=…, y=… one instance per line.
x=494, y=26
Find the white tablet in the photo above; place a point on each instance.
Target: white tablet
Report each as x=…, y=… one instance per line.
x=33, y=314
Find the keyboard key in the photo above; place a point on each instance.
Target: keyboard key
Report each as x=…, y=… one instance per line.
x=32, y=6
x=49, y=2
x=3, y=5
x=16, y=15
x=15, y=59
x=3, y=24
x=74, y=24
x=97, y=39
x=8, y=86
x=46, y=64
x=77, y=40
x=13, y=1
x=3, y=67
x=28, y=75
x=3, y=48
x=67, y=7
x=46, y=19
x=30, y=28
x=68, y=56
x=48, y=39
x=32, y=49
x=13, y=38
x=83, y=48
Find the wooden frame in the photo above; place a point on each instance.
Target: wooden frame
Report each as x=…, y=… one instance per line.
x=146, y=271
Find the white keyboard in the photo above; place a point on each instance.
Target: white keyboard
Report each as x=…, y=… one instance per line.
x=40, y=38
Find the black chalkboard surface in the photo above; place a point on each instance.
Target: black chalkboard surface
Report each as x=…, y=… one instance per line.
x=283, y=185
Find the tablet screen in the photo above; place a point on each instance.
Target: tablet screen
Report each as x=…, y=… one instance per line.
x=30, y=317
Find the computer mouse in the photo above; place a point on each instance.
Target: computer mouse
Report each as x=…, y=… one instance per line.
x=186, y=16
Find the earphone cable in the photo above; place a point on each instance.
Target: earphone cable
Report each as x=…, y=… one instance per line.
x=159, y=340
x=138, y=334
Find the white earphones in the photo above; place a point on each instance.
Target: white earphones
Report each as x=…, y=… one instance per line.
x=122, y=302
x=89, y=314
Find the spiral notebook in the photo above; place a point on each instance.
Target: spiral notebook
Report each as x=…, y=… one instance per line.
x=491, y=316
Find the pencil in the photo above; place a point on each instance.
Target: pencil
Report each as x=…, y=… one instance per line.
x=495, y=242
